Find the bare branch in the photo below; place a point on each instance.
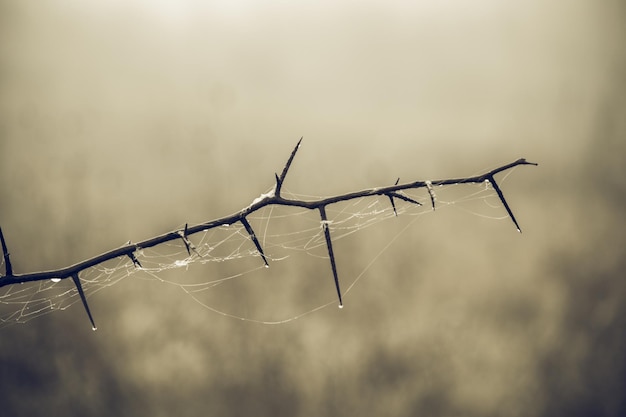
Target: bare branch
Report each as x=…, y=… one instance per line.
x=269, y=199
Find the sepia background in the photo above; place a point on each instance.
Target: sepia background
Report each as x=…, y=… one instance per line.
x=125, y=119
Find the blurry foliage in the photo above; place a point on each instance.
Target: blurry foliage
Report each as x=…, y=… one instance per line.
x=102, y=140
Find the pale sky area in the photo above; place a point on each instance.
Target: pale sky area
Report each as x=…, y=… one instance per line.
x=123, y=120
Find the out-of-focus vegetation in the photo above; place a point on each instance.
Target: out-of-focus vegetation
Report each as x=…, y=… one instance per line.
x=121, y=120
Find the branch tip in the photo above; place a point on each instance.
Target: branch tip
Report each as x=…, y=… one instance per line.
x=523, y=161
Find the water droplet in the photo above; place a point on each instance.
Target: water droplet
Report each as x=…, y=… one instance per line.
x=94, y=328
x=55, y=279
x=340, y=305
x=267, y=266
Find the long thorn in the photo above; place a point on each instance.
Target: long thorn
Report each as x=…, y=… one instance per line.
x=79, y=287
x=431, y=192
x=281, y=179
x=245, y=223
x=8, y=269
x=331, y=255
x=391, y=195
x=506, y=206
x=183, y=236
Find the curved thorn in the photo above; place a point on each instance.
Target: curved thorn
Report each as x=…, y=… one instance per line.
x=79, y=287
x=245, y=223
x=281, y=179
x=331, y=255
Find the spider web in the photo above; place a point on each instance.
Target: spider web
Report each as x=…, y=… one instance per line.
x=224, y=259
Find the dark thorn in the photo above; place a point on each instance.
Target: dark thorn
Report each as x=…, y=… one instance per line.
x=506, y=206
x=133, y=258
x=521, y=161
x=281, y=179
x=8, y=269
x=184, y=239
x=393, y=205
x=79, y=287
x=245, y=223
x=183, y=236
x=187, y=242
x=405, y=198
x=431, y=192
x=331, y=255
x=390, y=195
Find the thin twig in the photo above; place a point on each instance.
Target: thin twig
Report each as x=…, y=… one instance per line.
x=269, y=199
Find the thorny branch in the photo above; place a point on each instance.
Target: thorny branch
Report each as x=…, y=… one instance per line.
x=274, y=197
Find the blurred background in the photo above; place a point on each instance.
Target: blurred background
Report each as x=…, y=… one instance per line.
x=125, y=119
